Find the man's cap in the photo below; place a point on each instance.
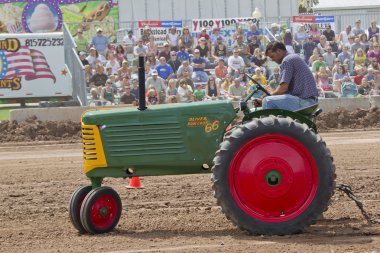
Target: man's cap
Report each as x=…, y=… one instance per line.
x=204, y=29
x=358, y=21
x=154, y=72
x=287, y=31
x=82, y=53
x=202, y=39
x=196, y=51
x=257, y=69
x=99, y=29
x=92, y=48
x=130, y=32
x=166, y=44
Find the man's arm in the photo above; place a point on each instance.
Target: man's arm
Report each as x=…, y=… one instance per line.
x=281, y=89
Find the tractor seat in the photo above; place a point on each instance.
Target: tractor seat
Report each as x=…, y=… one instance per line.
x=310, y=110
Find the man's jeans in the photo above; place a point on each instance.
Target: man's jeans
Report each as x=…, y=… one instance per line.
x=200, y=76
x=287, y=102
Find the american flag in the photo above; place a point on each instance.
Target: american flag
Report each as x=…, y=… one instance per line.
x=26, y=62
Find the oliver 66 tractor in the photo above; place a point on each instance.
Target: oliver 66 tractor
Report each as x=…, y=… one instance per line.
x=272, y=173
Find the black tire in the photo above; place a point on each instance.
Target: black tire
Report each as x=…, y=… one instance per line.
x=256, y=183
x=101, y=210
x=75, y=204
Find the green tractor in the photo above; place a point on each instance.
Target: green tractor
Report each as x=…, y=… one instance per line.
x=272, y=173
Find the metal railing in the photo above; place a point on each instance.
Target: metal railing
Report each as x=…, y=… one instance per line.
x=75, y=67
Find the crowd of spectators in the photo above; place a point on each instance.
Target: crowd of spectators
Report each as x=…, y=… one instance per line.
x=187, y=69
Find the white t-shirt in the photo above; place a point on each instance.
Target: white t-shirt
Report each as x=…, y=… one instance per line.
x=129, y=41
x=183, y=94
x=114, y=65
x=236, y=62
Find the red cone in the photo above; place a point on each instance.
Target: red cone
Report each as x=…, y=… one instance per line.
x=134, y=183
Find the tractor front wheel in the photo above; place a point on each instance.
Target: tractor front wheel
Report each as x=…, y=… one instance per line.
x=101, y=210
x=273, y=176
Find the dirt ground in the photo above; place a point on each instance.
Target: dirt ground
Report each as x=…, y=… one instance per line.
x=173, y=213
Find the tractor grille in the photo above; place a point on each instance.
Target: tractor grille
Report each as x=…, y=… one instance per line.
x=89, y=143
x=137, y=139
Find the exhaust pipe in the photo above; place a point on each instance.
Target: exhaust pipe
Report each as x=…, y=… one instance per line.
x=142, y=103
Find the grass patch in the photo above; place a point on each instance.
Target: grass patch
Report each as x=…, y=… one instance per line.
x=4, y=112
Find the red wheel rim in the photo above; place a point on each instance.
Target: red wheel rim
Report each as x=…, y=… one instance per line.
x=104, y=211
x=259, y=191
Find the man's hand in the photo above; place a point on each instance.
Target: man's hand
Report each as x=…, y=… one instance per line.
x=257, y=102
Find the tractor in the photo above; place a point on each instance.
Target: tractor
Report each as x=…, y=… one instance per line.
x=272, y=173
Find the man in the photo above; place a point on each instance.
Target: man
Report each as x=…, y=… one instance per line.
x=236, y=91
x=215, y=35
x=165, y=52
x=185, y=72
x=235, y=62
x=345, y=57
x=164, y=70
x=99, y=79
x=329, y=57
x=174, y=62
x=100, y=42
x=357, y=30
x=158, y=84
x=330, y=37
x=317, y=64
x=172, y=39
x=297, y=87
x=199, y=65
x=182, y=55
x=129, y=42
x=140, y=49
x=81, y=42
x=242, y=48
x=308, y=47
x=128, y=98
x=253, y=32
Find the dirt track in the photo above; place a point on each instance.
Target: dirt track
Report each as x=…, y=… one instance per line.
x=176, y=213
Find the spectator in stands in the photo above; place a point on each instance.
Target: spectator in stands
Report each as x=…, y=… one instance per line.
x=212, y=90
x=253, y=31
x=323, y=44
x=373, y=30
x=204, y=34
x=351, y=40
x=182, y=54
x=120, y=54
x=318, y=64
x=239, y=31
x=122, y=83
x=173, y=62
x=356, y=45
x=185, y=72
x=274, y=79
x=359, y=75
x=364, y=42
x=329, y=58
x=82, y=57
x=365, y=88
x=203, y=48
x=219, y=50
x=128, y=98
x=199, y=92
x=300, y=36
x=87, y=74
x=370, y=74
x=108, y=71
x=148, y=69
x=186, y=40
x=314, y=56
x=164, y=70
x=253, y=44
x=185, y=92
x=357, y=30
x=151, y=96
x=135, y=89
x=165, y=52
x=172, y=39
x=375, y=53
x=129, y=41
x=81, y=42
x=274, y=30
x=225, y=86
x=308, y=49
x=315, y=33
x=235, y=62
x=322, y=79
x=236, y=91
x=330, y=38
x=258, y=77
x=99, y=78
x=112, y=63
x=242, y=48
x=199, y=65
x=153, y=60
x=152, y=46
x=220, y=71
x=344, y=35
x=146, y=34
x=360, y=59
x=140, y=49
x=124, y=72
x=172, y=92
x=345, y=57
x=93, y=58
x=107, y=93
x=338, y=78
x=157, y=82
x=258, y=60
x=100, y=42
x=288, y=41
x=214, y=36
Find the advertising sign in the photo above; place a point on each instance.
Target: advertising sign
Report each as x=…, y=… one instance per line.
x=47, y=16
x=320, y=21
x=209, y=24
x=33, y=65
x=159, y=29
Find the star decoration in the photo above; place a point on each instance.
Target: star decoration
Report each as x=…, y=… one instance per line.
x=64, y=72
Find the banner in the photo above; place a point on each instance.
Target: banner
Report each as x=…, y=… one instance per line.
x=209, y=24
x=33, y=65
x=320, y=21
x=159, y=29
x=47, y=16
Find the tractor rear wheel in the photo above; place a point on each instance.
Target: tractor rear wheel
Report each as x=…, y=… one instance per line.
x=101, y=210
x=273, y=176
x=75, y=204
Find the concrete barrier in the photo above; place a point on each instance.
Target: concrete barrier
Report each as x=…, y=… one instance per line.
x=74, y=113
